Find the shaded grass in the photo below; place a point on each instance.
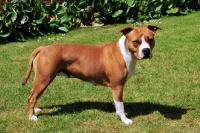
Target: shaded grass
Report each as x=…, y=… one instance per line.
x=162, y=95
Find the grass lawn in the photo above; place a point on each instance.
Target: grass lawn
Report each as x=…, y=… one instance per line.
x=162, y=96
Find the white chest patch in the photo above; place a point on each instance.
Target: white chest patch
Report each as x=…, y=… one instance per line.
x=127, y=56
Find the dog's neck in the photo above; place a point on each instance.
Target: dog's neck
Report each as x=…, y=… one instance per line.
x=129, y=59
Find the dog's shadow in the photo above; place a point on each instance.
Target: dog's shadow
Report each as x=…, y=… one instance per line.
x=132, y=109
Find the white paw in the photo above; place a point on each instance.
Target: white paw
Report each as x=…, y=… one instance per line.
x=33, y=118
x=127, y=121
x=37, y=109
x=124, y=119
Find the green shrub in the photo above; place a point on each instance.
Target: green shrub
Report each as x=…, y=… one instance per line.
x=31, y=18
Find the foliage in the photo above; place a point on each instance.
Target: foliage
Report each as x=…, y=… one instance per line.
x=20, y=19
x=30, y=18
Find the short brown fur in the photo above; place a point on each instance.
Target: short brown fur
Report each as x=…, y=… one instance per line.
x=103, y=65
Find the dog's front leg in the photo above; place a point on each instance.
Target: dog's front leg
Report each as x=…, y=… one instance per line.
x=119, y=105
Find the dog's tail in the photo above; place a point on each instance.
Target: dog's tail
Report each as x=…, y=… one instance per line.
x=30, y=64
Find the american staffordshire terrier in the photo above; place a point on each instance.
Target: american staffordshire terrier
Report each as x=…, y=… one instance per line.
x=108, y=64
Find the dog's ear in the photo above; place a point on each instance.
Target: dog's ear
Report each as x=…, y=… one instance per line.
x=126, y=30
x=153, y=28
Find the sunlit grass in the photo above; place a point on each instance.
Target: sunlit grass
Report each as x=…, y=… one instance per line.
x=162, y=96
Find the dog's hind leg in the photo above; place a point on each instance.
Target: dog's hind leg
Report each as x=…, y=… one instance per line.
x=40, y=84
x=36, y=109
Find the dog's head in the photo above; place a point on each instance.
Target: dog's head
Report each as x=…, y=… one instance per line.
x=140, y=40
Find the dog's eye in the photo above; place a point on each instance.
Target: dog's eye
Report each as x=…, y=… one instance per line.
x=136, y=42
x=150, y=40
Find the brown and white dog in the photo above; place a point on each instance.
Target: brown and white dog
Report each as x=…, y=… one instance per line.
x=108, y=64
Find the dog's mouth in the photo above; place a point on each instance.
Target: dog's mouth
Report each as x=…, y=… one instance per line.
x=147, y=56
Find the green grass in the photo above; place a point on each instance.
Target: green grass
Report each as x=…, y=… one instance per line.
x=162, y=95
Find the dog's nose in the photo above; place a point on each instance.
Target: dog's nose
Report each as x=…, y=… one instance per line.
x=146, y=52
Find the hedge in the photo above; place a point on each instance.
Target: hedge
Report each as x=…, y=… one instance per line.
x=21, y=19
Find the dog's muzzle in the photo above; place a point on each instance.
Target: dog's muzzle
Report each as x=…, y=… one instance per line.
x=147, y=53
